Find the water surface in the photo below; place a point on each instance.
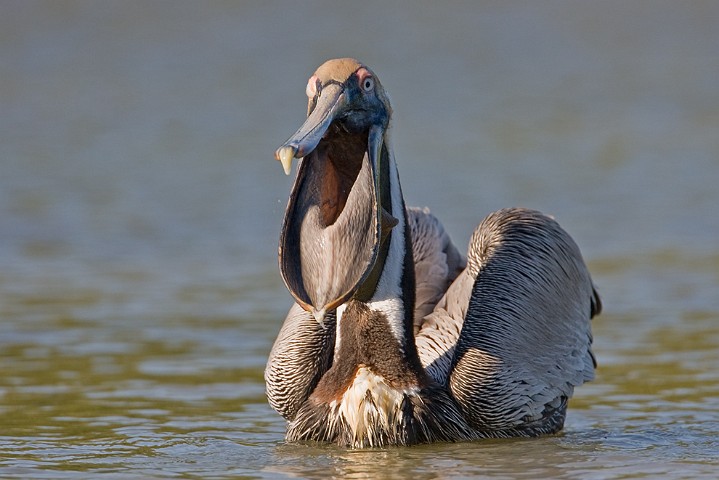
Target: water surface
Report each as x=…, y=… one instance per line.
x=140, y=208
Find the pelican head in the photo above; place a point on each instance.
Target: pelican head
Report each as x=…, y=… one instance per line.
x=334, y=222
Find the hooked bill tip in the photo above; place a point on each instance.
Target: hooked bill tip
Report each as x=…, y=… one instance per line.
x=285, y=156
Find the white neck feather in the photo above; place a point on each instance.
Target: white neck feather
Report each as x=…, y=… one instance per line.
x=388, y=295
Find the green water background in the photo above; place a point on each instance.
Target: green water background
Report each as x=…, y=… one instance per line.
x=140, y=207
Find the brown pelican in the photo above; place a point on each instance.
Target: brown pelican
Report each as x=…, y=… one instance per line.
x=395, y=337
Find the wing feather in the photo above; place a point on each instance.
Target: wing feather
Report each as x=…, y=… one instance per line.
x=437, y=262
x=526, y=338
x=302, y=353
x=442, y=293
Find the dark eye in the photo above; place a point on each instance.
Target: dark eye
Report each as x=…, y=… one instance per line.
x=368, y=84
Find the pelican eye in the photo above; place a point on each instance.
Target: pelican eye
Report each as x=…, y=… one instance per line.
x=367, y=84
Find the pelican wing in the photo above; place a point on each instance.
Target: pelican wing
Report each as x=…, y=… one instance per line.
x=511, y=337
x=443, y=289
x=437, y=262
x=302, y=353
x=526, y=338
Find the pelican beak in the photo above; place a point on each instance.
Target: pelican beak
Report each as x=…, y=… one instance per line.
x=310, y=133
x=332, y=227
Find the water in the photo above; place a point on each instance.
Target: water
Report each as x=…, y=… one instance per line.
x=140, y=208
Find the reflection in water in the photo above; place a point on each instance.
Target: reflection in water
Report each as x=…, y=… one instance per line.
x=140, y=207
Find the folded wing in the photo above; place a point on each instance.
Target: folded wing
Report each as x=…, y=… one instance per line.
x=511, y=338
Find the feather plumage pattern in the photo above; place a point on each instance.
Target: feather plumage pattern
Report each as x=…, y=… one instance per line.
x=412, y=342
